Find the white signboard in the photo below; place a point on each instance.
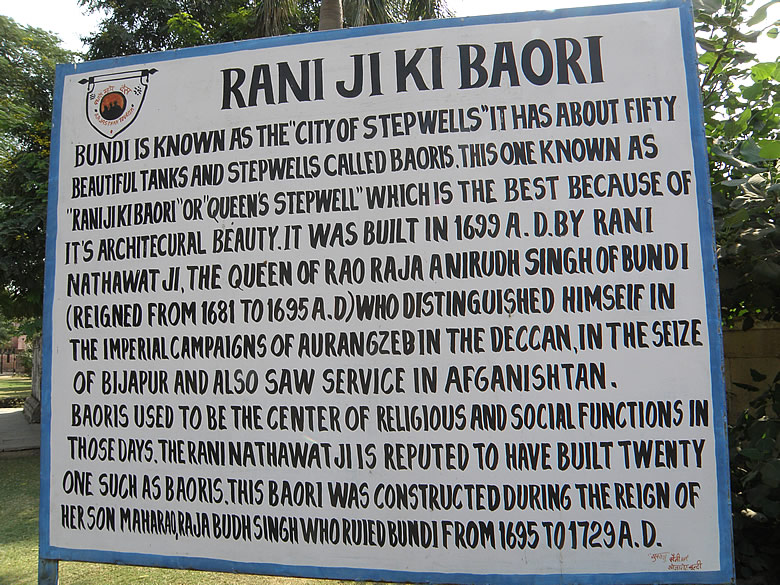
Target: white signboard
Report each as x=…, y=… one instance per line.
x=432, y=302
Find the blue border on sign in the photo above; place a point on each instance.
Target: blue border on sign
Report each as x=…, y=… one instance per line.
x=48, y=307
x=706, y=230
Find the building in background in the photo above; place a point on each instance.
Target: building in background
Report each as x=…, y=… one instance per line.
x=11, y=356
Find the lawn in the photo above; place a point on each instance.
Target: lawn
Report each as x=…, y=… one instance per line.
x=13, y=391
x=19, y=481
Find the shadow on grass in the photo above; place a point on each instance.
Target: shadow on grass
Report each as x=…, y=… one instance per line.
x=19, y=520
x=19, y=486
x=13, y=391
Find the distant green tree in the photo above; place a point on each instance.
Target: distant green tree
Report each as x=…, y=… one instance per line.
x=140, y=26
x=741, y=98
x=337, y=13
x=27, y=60
x=8, y=330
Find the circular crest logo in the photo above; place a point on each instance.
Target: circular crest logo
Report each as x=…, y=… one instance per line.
x=115, y=99
x=112, y=105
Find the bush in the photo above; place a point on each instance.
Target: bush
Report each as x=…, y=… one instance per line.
x=754, y=452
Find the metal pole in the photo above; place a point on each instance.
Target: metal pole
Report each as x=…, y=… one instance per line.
x=48, y=571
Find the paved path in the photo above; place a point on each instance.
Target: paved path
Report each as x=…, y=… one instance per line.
x=16, y=434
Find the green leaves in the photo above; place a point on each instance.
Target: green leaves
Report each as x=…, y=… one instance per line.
x=736, y=127
x=761, y=71
x=707, y=6
x=754, y=449
x=140, y=26
x=735, y=219
x=760, y=14
x=27, y=59
x=186, y=31
x=752, y=92
x=770, y=149
x=741, y=97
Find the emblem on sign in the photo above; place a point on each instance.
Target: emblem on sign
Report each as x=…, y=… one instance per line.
x=114, y=99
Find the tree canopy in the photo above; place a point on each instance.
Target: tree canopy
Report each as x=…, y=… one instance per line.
x=141, y=26
x=27, y=59
x=741, y=99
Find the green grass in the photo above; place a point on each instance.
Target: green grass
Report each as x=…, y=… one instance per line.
x=19, y=481
x=19, y=520
x=13, y=390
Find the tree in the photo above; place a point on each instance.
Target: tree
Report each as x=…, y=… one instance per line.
x=8, y=330
x=754, y=453
x=363, y=12
x=27, y=61
x=141, y=26
x=331, y=15
x=742, y=122
x=741, y=99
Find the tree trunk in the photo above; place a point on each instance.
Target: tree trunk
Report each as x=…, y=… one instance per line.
x=32, y=405
x=331, y=15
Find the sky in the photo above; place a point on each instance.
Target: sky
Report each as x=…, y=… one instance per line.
x=67, y=19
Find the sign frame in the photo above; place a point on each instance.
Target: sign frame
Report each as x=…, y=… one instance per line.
x=51, y=554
